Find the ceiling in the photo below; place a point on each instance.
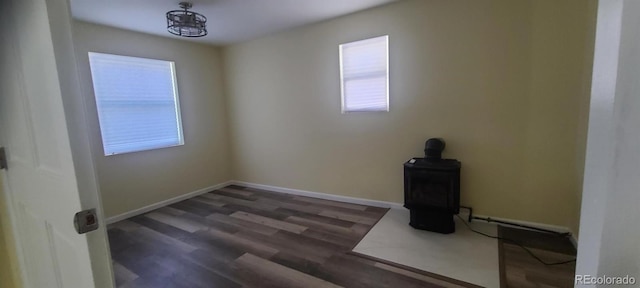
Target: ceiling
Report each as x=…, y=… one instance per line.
x=229, y=21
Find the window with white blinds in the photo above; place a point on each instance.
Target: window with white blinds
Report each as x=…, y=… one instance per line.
x=137, y=101
x=364, y=73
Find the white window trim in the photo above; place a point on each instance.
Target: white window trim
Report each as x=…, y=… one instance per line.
x=342, y=94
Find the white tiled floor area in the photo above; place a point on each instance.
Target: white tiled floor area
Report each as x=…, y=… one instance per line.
x=462, y=255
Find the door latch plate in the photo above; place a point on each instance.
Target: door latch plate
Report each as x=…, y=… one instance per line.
x=86, y=221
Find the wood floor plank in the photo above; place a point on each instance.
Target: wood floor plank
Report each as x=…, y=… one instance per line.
x=207, y=200
x=138, y=283
x=278, y=215
x=279, y=275
x=174, y=269
x=119, y=240
x=138, y=259
x=331, y=203
x=253, y=204
x=310, y=252
x=534, y=239
x=160, y=227
x=221, y=250
x=125, y=225
x=195, y=275
x=361, y=229
x=187, y=207
x=122, y=274
x=209, y=261
x=366, y=213
x=351, y=273
x=170, y=211
x=342, y=242
x=145, y=234
x=242, y=224
x=243, y=244
x=349, y=217
x=212, y=224
x=519, y=269
x=179, y=223
x=292, y=206
x=379, y=210
x=318, y=244
x=211, y=196
x=277, y=224
x=160, y=282
x=265, y=193
x=295, y=261
x=315, y=217
x=202, y=209
x=337, y=230
x=213, y=208
x=316, y=208
x=232, y=190
x=417, y=276
x=232, y=195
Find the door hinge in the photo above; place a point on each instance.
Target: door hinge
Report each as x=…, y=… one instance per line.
x=3, y=159
x=86, y=221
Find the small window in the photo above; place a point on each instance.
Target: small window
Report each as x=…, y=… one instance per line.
x=137, y=101
x=364, y=73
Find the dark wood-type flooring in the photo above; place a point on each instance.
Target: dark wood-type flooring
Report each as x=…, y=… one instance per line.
x=519, y=270
x=241, y=237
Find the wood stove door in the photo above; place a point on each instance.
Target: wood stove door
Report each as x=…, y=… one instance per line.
x=428, y=188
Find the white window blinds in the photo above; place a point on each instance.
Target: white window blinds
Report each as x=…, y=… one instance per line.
x=137, y=103
x=364, y=71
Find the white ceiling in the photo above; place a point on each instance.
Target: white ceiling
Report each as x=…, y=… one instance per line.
x=228, y=21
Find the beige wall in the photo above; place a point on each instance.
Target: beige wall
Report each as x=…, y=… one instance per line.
x=134, y=180
x=9, y=273
x=504, y=87
x=563, y=36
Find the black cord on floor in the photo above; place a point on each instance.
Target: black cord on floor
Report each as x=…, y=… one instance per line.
x=516, y=243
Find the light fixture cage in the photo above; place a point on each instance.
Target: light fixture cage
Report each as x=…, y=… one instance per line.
x=186, y=23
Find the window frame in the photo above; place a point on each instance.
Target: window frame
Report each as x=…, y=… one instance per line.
x=343, y=97
x=176, y=102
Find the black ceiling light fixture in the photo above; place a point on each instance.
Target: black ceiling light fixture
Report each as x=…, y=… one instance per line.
x=186, y=23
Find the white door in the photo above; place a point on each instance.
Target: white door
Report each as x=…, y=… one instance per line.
x=49, y=163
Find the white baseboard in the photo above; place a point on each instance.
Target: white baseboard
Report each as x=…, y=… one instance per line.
x=167, y=202
x=385, y=204
x=325, y=196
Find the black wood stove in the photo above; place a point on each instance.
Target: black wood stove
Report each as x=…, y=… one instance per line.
x=432, y=189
